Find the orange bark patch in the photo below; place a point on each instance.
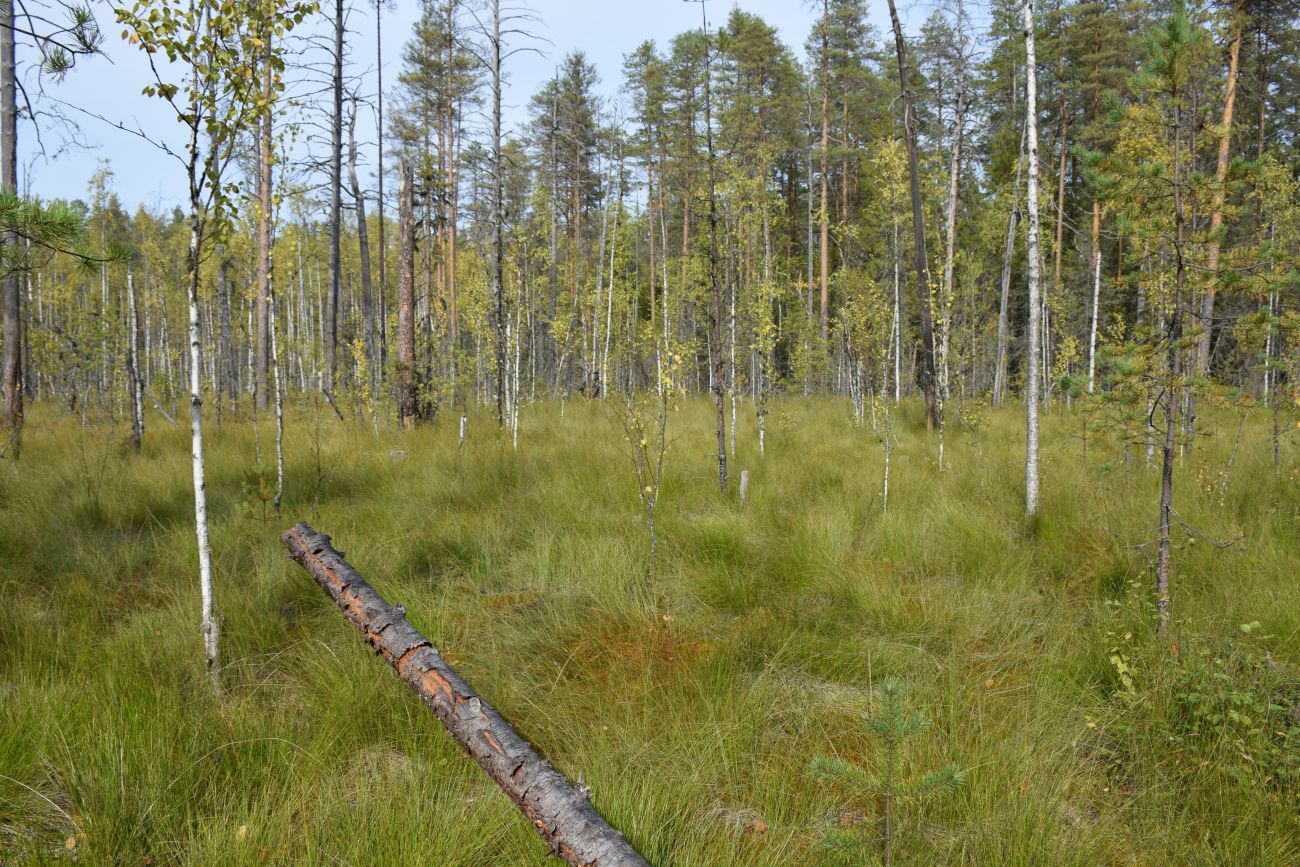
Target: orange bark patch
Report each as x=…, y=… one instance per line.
x=433, y=683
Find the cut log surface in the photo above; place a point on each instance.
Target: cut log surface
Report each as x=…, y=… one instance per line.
x=563, y=816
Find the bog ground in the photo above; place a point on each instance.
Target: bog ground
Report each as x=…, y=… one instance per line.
x=690, y=701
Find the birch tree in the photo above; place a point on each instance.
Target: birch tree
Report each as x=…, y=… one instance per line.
x=206, y=42
x=1032, y=359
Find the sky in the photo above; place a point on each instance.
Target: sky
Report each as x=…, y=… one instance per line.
x=103, y=91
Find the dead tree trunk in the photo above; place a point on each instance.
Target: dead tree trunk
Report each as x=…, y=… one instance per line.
x=926, y=373
x=561, y=814
x=363, y=242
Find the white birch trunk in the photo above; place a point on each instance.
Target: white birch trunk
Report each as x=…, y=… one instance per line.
x=898, y=324
x=279, y=399
x=133, y=363
x=1092, y=331
x=209, y=625
x=1032, y=353
x=731, y=380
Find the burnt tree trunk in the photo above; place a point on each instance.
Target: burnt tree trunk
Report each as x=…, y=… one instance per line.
x=561, y=814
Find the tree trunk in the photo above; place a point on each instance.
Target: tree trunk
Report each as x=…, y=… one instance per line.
x=11, y=363
x=1096, y=295
x=1031, y=353
x=811, y=247
x=379, y=196
x=225, y=338
x=279, y=400
x=926, y=372
x=824, y=220
x=498, y=217
x=1216, y=214
x=261, y=352
x=332, y=297
x=717, y=324
x=452, y=180
x=406, y=397
x=209, y=624
x=562, y=814
x=1059, y=243
x=950, y=247
x=363, y=243
x=650, y=219
x=133, y=364
x=1174, y=362
x=1008, y=253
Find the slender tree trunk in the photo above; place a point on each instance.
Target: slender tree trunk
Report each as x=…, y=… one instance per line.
x=1174, y=362
x=926, y=372
x=553, y=270
x=363, y=244
x=498, y=216
x=1096, y=295
x=225, y=337
x=406, y=397
x=209, y=624
x=279, y=400
x=261, y=348
x=898, y=315
x=846, y=148
x=379, y=196
x=452, y=194
x=1216, y=214
x=950, y=247
x=333, y=296
x=716, y=325
x=11, y=379
x=133, y=364
x=1031, y=355
x=613, y=252
x=811, y=246
x=824, y=220
x=650, y=220
x=1008, y=253
x=1059, y=242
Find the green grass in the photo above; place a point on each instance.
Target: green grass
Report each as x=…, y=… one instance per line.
x=691, y=703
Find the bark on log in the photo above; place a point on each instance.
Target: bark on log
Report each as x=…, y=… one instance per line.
x=563, y=816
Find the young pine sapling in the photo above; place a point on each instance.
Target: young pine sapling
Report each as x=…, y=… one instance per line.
x=893, y=726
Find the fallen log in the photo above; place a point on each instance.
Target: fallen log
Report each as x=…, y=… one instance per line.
x=563, y=816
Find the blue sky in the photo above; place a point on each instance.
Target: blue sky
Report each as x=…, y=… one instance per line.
x=605, y=29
